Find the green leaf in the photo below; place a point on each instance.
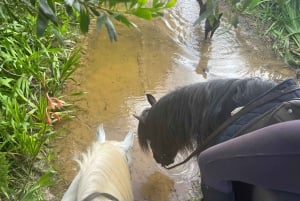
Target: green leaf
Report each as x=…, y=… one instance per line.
x=144, y=13
x=46, y=180
x=171, y=3
x=123, y=19
x=132, y=3
x=154, y=2
x=84, y=20
x=142, y=2
x=51, y=5
x=159, y=5
x=253, y=4
x=5, y=82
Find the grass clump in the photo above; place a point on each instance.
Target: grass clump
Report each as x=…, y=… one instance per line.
x=281, y=19
x=32, y=73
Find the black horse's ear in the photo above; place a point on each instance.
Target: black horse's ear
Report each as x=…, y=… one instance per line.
x=151, y=99
x=220, y=15
x=138, y=118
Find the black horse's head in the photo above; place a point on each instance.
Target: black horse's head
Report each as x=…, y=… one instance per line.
x=164, y=150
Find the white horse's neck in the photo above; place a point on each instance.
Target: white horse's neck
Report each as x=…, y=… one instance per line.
x=109, y=172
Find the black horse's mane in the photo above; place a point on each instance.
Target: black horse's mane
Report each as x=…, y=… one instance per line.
x=193, y=112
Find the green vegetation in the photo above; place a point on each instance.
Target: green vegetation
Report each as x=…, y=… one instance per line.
x=31, y=70
x=282, y=19
x=37, y=56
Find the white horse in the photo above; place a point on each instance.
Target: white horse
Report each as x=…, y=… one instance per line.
x=104, y=171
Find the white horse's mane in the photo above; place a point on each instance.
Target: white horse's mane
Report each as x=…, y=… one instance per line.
x=104, y=168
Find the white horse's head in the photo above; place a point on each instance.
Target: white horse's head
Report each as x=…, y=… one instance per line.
x=104, y=171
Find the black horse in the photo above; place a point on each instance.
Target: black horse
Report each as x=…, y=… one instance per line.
x=211, y=25
x=191, y=113
x=212, y=21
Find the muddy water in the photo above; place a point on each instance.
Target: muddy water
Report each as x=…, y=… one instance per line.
x=160, y=56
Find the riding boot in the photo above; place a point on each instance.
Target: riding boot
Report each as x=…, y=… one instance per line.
x=210, y=194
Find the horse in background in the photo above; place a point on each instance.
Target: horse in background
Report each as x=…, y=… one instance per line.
x=211, y=24
x=104, y=171
x=213, y=19
x=189, y=114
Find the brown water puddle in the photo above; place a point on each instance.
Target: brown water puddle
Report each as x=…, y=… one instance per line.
x=157, y=187
x=160, y=56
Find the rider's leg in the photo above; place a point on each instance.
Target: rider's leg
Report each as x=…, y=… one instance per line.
x=268, y=157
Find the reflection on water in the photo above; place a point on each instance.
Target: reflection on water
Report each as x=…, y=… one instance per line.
x=162, y=55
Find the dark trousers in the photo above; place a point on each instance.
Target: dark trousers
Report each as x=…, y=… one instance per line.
x=268, y=157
